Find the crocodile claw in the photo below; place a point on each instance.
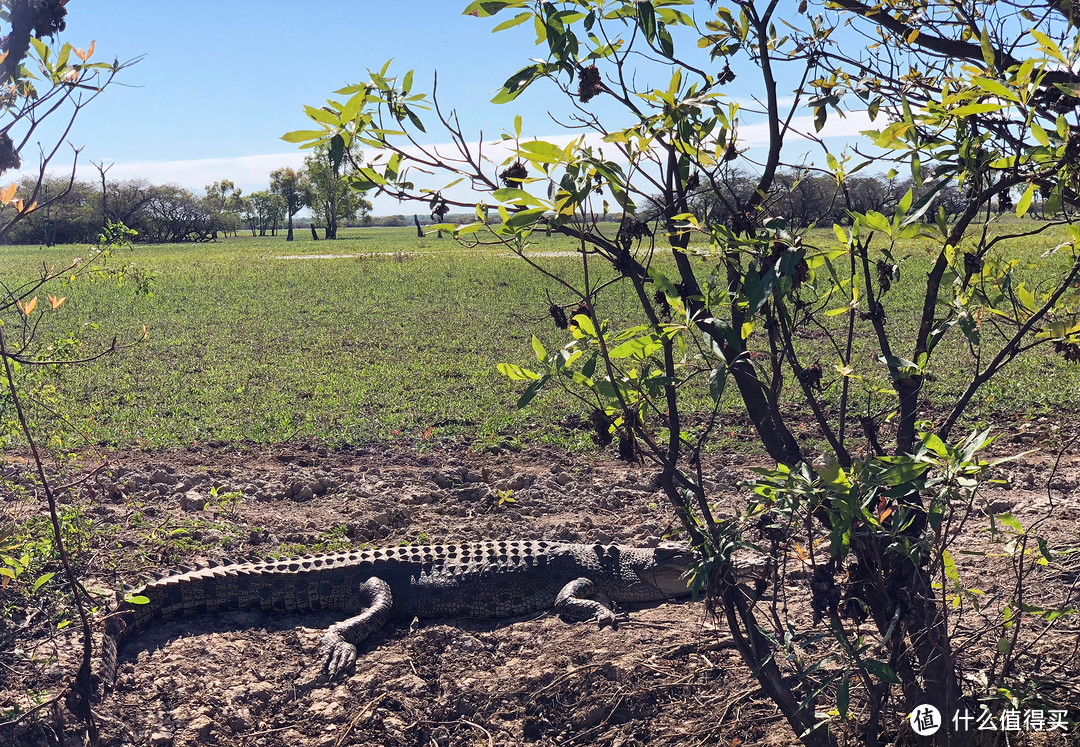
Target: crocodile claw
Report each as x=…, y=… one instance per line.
x=340, y=657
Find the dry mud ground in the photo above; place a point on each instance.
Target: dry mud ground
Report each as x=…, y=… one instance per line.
x=665, y=676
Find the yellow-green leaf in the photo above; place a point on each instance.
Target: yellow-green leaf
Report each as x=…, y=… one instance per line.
x=301, y=136
x=1040, y=134
x=1025, y=202
x=968, y=109
x=538, y=348
x=517, y=373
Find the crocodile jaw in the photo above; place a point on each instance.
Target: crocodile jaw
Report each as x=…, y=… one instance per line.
x=669, y=571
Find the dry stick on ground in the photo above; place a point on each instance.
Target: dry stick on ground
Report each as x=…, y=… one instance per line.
x=80, y=703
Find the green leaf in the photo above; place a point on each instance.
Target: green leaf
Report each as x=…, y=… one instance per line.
x=923, y=203
x=934, y=443
x=1047, y=45
x=590, y=366
x=322, y=116
x=968, y=109
x=302, y=136
x=949, y=566
x=584, y=323
x=42, y=49
x=337, y=152
x=517, y=83
x=542, y=152
x=758, y=290
x=486, y=8
x=663, y=283
x=641, y=347
x=894, y=361
x=647, y=19
x=843, y=695
x=821, y=117
x=532, y=391
x=987, y=47
x=877, y=222
x=881, y=670
x=905, y=204
x=538, y=348
x=137, y=599
x=717, y=382
x=517, y=20
x=518, y=196
x=997, y=88
x=1010, y=521
x=1025, y=202
x=42, y=580
x=903, y=473
x=517, y=373
x=1040, y=134
x=1053, y=203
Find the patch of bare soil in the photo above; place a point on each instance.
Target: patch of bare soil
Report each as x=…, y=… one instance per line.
x=666, y=675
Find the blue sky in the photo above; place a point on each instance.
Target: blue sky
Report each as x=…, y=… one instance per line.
x=222, y=81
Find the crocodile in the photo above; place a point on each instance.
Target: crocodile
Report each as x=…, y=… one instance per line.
x=374, y=586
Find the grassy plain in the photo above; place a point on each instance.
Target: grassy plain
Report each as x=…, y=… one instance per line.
x=397, y=342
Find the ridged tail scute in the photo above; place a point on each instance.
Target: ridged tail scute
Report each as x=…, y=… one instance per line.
x=289, y=585
x=115, y=629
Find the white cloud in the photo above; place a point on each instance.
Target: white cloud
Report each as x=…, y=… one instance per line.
x=252, y=173
x=847, y=127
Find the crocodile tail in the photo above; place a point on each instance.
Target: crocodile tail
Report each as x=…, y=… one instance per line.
x=272, y=585
x=116, y=629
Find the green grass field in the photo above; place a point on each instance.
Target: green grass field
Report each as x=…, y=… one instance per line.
x=400, y=343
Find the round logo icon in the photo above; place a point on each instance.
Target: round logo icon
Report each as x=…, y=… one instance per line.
x=925, y=720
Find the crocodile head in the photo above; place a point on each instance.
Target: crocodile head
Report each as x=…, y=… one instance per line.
x=668, y=570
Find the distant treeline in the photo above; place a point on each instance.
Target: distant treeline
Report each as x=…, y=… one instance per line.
x=75, y=212
x=70, y=211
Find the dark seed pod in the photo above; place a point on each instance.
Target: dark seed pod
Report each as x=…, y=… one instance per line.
x=1069, y=351
x=662, y=305
x=589, y=85
x=973, y=265
x=558, y=316
x=514, y=175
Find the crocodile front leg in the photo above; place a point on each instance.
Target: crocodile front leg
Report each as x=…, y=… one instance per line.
x=339, y=644
x=576, y=602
